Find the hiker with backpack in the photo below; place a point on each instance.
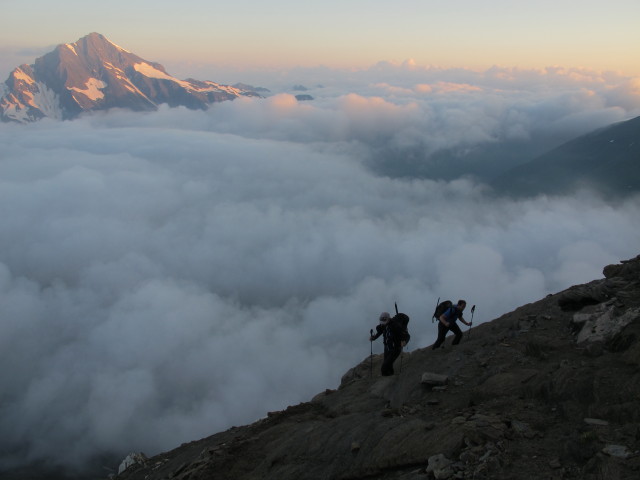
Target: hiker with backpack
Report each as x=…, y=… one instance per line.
x=447, y=315
x=395, y=336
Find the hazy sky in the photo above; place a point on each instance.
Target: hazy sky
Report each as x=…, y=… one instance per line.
x=355, y=33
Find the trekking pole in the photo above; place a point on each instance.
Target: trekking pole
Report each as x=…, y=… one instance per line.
x=396, y=305
x=371, y=356
x=473, y=309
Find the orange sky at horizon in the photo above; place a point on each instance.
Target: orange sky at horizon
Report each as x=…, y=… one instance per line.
x=358, y=34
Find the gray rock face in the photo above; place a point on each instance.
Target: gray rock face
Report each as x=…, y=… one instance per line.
x=96, y=74
x=526, y=398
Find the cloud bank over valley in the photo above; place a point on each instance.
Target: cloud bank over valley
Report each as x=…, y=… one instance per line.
x=159, y=272
x=415, y=120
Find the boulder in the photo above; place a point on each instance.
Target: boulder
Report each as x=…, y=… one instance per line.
x=440, y=467
x=619, y=451
x=603, y=323
x=433, y=379
x=132, y=459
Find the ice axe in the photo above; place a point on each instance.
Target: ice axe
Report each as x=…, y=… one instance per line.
x=371, y=357
x=401, y=352
x=473, y=309
x=433, y=318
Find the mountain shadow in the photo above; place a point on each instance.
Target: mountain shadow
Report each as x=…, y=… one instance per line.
x=606, y=161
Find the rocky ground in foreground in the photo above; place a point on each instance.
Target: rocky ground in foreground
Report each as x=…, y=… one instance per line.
x=548, y=391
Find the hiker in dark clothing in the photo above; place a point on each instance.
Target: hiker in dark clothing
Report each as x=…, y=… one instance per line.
x=395, y=337
x=447, y=321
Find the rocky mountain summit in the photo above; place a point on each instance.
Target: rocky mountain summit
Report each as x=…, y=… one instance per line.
x=550, y=390
x=95, y=74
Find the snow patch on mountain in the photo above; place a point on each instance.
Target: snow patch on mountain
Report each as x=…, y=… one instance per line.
x=213, y=87
x=71, y=47
x=47, y=101
x=132, y=88
x=14, y=111
x=92, y=90
x=118, y=46
x=122, y=78
x=152, y=72
x=38, y=97
x=116, y=71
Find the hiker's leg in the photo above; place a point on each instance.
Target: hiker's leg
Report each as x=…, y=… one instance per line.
x=387, y=364
x=390, y=356
x=458, y=333
x=393, y=356
x=442, y=333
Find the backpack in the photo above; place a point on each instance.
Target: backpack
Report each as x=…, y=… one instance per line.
x=401, y=319
x=399, y=326
x=440, y=309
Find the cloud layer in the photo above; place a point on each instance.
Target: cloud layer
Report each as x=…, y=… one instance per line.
x=408, y=120
x=160, y=272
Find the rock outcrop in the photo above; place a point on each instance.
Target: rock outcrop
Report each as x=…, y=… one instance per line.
x=550, y=390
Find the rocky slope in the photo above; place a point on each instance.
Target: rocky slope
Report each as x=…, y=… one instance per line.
x=95, y=74
x=550, y=390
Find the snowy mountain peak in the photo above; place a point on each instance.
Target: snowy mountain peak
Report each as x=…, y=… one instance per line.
x=96, y=74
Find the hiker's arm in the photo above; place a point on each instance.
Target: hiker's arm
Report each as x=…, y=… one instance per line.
x=379, y=331
x=464, y=321
x=443, y=320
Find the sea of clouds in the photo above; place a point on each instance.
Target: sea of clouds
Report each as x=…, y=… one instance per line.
x=166, y=275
